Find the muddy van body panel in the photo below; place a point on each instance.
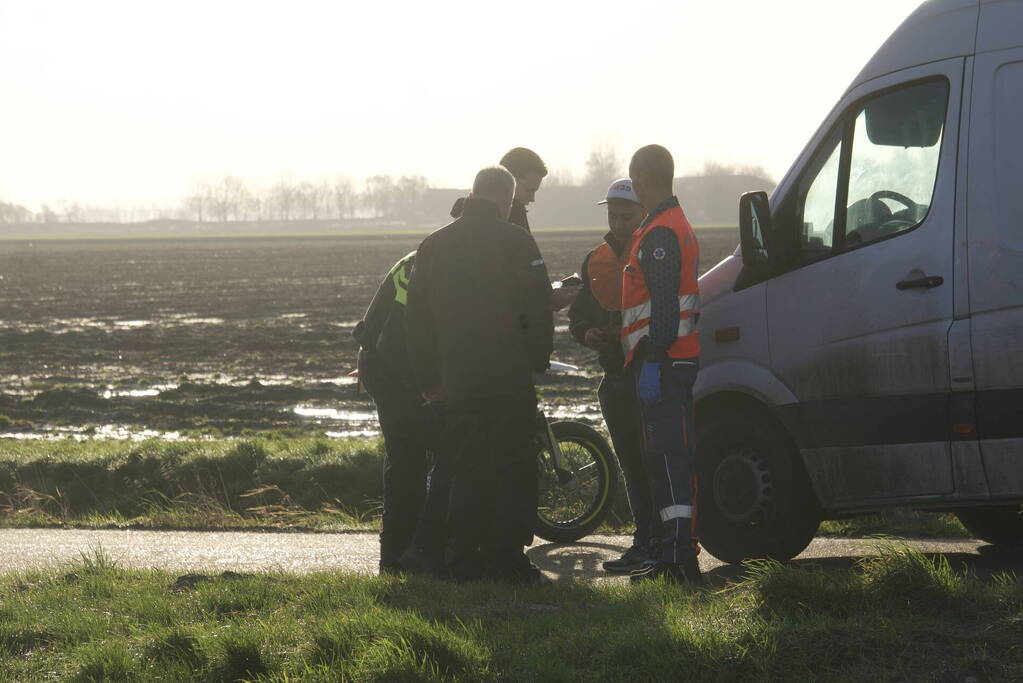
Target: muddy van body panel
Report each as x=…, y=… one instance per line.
x=995, y=235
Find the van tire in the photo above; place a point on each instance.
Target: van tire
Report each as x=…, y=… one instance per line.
x=755, y=500
x=1001, y=525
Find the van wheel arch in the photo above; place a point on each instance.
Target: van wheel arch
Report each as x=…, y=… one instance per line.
x=755, y=499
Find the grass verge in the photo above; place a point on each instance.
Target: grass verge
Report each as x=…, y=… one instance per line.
x=898, y=615
x=266, y=482
x=274, y=481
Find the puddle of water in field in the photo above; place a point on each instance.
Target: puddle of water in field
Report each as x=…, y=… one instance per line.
x=110, y=431
x=335, y=414
x=196, y=321
x=66, y=325
x=353, y=434
x=112, y=392
x=584, y=411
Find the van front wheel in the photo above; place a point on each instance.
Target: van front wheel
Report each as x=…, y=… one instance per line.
x=754, y=499
x=1000, y=525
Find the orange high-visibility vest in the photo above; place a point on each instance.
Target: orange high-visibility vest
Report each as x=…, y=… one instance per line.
x=604, y=270
x=636, y=297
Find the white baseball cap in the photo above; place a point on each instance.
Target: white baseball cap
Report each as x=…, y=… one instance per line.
x=621, y=189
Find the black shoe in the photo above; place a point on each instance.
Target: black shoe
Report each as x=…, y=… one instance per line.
x=515, y=568
x=681, y=572
x=421, y=562
x=636, y=557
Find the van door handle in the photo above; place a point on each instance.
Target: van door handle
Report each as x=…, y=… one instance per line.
x=921, y=282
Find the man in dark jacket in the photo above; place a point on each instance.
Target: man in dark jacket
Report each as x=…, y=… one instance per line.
x=407, y=424
x=595, y=320
x=479, y=325
x=529, y=171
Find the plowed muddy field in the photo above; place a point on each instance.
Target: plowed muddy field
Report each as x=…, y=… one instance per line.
x=184, y=337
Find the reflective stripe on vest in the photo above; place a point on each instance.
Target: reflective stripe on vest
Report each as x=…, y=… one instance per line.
x=636, y=298
x=688, y=306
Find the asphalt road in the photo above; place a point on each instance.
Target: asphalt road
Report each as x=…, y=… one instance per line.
x=190, y=551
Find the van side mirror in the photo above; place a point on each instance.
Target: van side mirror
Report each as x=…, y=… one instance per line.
x=755, y=228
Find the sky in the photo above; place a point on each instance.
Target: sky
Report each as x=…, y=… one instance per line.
x=132, y=102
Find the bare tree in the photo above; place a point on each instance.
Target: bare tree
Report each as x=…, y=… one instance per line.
x=312, y=197
x=227, y=198
x=197, y=203
x=14, y=213
x=46, y=214
x=561, y=177
x=284, y=197
x=409, y=192
x=71, y=211
x=717, y=168
x=379, y=195
x=343, y=197
x=603, y=166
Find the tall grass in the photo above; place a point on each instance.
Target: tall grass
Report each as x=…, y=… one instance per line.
x=898, y=615
x=229, y=483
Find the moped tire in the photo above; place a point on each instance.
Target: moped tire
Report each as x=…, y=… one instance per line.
x=569, y=510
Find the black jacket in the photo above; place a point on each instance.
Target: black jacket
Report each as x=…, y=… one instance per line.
x=479, y=320
x=517, y=216
x=383, y=354
x=586, y=312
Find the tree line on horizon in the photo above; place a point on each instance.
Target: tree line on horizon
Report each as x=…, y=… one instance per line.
x=382, y=197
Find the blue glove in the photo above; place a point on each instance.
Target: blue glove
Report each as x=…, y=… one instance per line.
x=650, y=383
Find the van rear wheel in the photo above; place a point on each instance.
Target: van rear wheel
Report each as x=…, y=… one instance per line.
x=1000, y=525
x=755, y=499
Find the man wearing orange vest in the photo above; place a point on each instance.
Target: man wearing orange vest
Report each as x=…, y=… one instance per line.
x=660, y=311
x=595, y=320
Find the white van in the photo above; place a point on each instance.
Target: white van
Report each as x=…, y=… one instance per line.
x=863, y=347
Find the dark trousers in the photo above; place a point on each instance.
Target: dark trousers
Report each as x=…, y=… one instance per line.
x=432, y=531
x=620, y=407
x=668, y=447
x=402, y=422
x=408, y=428
x=494, y=494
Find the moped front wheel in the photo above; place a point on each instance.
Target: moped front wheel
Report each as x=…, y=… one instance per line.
x=575, y=498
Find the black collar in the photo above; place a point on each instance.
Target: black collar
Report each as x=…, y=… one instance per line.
x=669, y=203
x=612, y=241
x=480, y=208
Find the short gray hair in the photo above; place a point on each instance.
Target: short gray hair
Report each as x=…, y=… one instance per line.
x=494, y=182
x=656, y=164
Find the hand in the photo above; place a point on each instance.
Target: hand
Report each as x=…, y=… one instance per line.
x=650, y=383
x=431, y=395
x=596, y=339
x=563, y=296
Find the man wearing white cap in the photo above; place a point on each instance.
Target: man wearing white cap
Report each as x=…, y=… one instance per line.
x=595, y=321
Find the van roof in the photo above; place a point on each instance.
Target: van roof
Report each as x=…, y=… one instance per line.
x=943, y=29
x=936, y=30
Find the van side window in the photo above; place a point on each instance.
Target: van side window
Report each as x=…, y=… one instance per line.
x=872, y=177
x=894, y=163
x=815, y=209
